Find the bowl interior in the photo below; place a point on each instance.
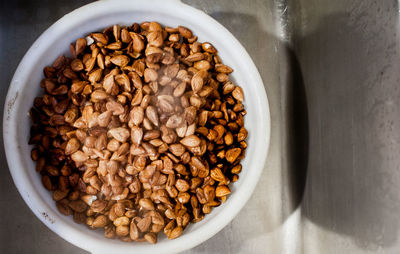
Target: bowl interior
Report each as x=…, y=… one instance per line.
x=95, y=17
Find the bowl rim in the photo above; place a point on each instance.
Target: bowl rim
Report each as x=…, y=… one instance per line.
x=32, y=198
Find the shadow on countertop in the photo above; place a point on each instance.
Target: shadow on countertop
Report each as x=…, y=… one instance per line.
x=350, y=63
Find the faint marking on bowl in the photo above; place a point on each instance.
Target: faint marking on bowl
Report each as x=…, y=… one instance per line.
x=10, y=105
x=47, y=217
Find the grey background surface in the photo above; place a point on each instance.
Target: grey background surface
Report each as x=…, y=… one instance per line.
x=331, y=72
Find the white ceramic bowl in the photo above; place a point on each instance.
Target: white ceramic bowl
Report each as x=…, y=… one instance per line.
x=95, y=16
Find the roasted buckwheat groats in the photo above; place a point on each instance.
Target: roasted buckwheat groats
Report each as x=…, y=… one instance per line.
x=140, y=131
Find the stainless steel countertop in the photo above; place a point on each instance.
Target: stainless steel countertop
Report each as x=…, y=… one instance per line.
x=331, y=72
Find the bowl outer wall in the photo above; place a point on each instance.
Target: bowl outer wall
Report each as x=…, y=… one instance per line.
x=255, y=97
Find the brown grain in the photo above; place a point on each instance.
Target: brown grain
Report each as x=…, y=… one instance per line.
x=141, y=131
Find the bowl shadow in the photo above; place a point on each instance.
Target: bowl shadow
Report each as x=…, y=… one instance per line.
x=351, y=76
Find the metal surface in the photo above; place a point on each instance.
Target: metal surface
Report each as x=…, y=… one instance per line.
x=349, y=55
x=331, y=72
